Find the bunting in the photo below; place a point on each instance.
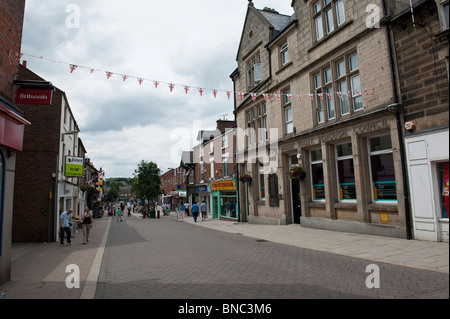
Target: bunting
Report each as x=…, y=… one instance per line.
x=240, y=95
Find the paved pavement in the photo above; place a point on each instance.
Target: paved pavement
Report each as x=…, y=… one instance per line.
x=39, y=269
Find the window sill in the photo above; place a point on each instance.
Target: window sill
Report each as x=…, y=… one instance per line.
x=261, y=202
x=284, y=67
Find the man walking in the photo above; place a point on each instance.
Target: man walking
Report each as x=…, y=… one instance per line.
x=65, y=227
x=203, y=210
x=195, y=211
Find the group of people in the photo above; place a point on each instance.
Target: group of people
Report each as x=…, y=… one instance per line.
x=87, y=221
x=196, y=209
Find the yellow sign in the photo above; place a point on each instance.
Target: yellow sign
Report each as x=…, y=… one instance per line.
x=74, y=166
x=384, y=217
x=223, y=185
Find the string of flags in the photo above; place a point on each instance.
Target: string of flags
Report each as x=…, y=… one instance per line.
x=215, y=92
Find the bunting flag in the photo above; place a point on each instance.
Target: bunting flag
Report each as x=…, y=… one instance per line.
x=241, y=95
x=73, y=68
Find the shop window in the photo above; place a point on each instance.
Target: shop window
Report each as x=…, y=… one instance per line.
x=317, y=179
x=382, y=171
x=443, y=179
x=261, y=185
x=274, y=199
x=345, y=172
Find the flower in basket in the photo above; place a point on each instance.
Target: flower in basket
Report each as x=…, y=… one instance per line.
x=297, y=172
x=245, y=178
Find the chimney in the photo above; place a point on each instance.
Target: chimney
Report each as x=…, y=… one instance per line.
x=24, y=63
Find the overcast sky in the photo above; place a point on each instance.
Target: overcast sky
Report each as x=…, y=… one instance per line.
x=183, y=42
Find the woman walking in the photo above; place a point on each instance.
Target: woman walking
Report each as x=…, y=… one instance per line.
x=87, y=225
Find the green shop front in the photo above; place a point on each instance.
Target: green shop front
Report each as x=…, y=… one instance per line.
x=224, y=199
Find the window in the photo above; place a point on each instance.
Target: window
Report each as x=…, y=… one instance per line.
x=284, y=54
x=443, y=180
x=337, y=89
x=225, y=165
x=254, y=70
x=445, y=15
x=202, y=172
x=327, y=16
x=262, y=192
x=382, y=171
x=225, y=141
x=257, y=125
x=211, y=166
x=289, y=125
x=345, y=172
x=317, y=179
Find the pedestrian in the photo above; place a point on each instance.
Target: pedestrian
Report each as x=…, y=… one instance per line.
x=129, y=209
x=203, y=210
x=195, y=211
x=119, y=214
x=186, y=208
x=88, y=221
x=65, y=227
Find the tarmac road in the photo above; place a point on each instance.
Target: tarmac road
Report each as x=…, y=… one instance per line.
x=168, y=259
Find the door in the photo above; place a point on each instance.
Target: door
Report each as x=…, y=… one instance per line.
x=296, y=204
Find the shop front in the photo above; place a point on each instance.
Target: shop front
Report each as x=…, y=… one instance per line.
x=225, y=199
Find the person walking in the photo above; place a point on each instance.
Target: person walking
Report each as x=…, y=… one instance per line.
x=186, y=208
x=203, y=209
x=65, y=227
x=87, y=225
x=195, y=211
x=119, y=214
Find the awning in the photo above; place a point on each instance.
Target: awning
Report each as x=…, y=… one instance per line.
x=11, y=115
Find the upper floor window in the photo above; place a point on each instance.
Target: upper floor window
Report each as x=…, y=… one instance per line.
x=284, y=54
x=257, y=129
x=254, y=70
x=337, y=88
x=327, y=16
x=289, y=124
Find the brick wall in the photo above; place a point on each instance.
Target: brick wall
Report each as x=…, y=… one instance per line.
x=11, y=23
x=422, y=70
x=33, y=208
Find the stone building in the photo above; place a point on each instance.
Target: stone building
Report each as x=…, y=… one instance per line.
x=315, y=89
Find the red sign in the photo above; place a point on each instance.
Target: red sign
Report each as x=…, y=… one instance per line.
x=34, y=96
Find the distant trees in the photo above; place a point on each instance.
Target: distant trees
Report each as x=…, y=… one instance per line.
x=146, y=181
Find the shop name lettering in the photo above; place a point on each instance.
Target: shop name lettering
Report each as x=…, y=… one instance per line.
x=34, y=97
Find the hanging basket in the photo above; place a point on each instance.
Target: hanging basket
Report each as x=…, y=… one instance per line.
x=245, y=178
x=297, y=172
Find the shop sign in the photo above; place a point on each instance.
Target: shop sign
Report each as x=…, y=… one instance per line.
x=34, y=96
x=201, y=189
x=223, y=185
x=74, y=166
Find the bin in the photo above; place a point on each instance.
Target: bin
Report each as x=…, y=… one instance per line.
x=152, y=213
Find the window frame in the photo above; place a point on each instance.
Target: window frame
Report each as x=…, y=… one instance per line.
x=371, y=154
x=327, y=16
x=340, y=158
x=287, y=106
x=342, y=73
x=253, y=65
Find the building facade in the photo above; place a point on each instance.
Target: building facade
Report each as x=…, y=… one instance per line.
x=420, y=47
x=12, y=122
x=43, y=191
x=317, y=92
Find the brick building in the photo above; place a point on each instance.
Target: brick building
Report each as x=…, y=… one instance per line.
x=320, y=95
x=43, y=191
x=420, y=48
x=12, y=122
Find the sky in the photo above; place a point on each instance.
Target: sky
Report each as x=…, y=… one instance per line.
x=188, y=43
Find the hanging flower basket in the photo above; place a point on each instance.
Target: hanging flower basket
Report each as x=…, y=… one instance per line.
x=297, y=172
x=245, y=178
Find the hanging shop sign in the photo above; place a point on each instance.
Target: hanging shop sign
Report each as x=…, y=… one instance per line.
x=74, y=166
x=34, y=96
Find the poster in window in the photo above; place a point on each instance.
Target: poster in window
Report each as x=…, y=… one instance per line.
x=385, y=190
x=319, y=191
x=347, y=191
x=445, y=167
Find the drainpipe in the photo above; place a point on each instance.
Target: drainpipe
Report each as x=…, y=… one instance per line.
x=397, y=109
